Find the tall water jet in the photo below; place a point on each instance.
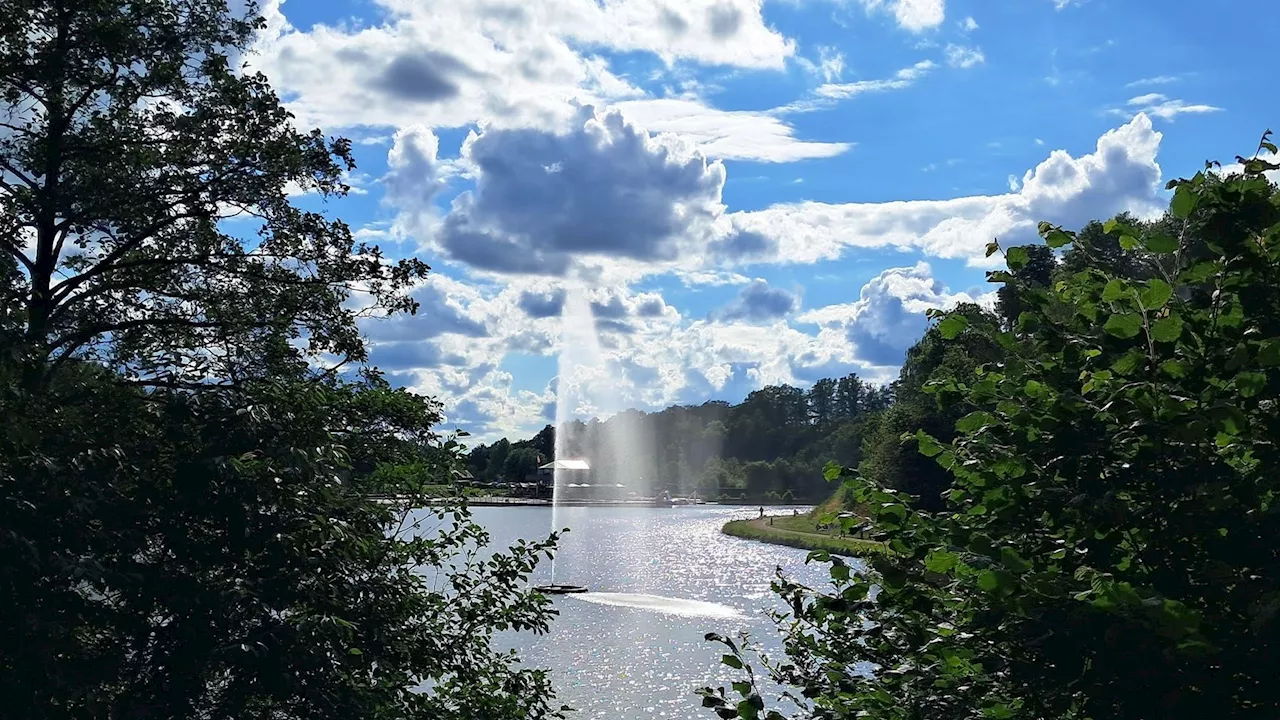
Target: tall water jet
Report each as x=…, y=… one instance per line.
x=618, y=451
x=579, y=356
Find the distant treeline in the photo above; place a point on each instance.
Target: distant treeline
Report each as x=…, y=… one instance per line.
x=771, y=446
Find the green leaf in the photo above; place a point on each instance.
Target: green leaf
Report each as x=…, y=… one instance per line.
x=940, y=561
x=1167, y=329
x=1124, y=325
x=926, y=444
x=1199, y=272
x=1269, y=353
x=742, y=687
x=1175, y=368
x=993, y=247
x=975, y=421
x=946, y=460
x=1128, y=363
x=988, y=581
x=1110, y=226
x=1160, y=243
x=732, y=661
x=1017, y=257
x=1155, y=294
x=1128, y=242
x=355, y=651
x=1115, y=290
x=1012, y=560
x=952, y=326
x=832, y=471
x=1250, y=383
x=1184, y=201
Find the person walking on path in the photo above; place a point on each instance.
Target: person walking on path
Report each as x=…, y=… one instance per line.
x=762, y=511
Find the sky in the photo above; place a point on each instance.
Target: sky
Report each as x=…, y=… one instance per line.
x=748, y=192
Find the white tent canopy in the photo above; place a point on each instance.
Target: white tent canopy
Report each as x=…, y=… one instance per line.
x=566, y=465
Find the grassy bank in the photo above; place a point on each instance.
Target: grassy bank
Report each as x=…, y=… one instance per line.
x=800, y=532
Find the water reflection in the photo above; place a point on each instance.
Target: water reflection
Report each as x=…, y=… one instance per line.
x=660, y=579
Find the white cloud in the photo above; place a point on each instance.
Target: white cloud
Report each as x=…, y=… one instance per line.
x=1156, y=80
x=727, y=134
x=1120, y=174
x=828, y=94
x=913, y=15
x=889, y=315
x=498, y=61
x=549, y=203
x=964, y=57
x=1162, y=106
x=969, y=24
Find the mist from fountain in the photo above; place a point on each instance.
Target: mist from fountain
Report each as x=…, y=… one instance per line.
x=619, y=451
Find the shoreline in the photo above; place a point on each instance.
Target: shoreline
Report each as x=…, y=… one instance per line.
x=759, y=530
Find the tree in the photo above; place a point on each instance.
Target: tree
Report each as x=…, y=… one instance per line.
x=130, y=141
x=822, y=401
x=184, y=510
x=520, y=462
x=1109, y=548
x=1033, y=267
x=933, y=357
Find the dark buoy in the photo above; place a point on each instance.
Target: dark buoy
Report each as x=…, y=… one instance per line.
x=560, y=589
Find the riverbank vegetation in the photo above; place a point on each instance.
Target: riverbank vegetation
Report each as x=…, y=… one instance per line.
x=1100, y=539
x=805, y=532
x=190, y=432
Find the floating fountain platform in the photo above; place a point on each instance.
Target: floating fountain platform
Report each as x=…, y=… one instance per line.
x=560, y=589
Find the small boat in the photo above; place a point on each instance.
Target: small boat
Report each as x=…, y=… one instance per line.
x=560, y=589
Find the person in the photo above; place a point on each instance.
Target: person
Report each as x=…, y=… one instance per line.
x=761, y=511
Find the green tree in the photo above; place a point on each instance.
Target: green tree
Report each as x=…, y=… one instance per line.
x=934, y=356
x=172, y=553
x=1033, y=267
x=1109, y=549
x=521, y=461
x=130, y=140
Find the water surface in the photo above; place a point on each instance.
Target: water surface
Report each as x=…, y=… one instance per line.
x=660, y=579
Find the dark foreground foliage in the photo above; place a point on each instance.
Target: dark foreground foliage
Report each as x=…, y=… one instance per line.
x=184, y=467
x=1110, y=541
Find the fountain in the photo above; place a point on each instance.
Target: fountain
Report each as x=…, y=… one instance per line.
x=600, y=462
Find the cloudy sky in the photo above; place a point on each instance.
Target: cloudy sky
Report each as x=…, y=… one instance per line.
x=750, y=192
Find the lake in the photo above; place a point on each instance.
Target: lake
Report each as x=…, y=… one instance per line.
x=660, y=579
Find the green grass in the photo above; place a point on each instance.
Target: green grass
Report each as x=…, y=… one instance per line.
x=801, y=532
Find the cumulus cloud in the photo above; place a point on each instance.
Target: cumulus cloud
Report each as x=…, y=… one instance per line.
x=1120, y=174
x=607, y=188
x=498, y=61
x=889, y=315
x=759, y=302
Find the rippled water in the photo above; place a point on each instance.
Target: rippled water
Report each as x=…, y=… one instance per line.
x=660, y=579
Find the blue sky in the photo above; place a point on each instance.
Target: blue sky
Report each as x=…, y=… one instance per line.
x=747, y=192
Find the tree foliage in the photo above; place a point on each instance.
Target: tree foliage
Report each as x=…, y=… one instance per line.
x=184, y=486
x=129, y=139
x=1110, y=546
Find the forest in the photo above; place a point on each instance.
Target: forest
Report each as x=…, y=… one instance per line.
x=769, y=447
